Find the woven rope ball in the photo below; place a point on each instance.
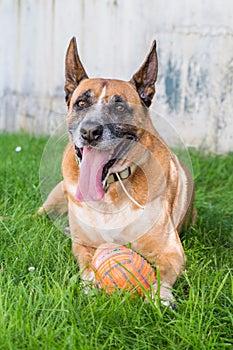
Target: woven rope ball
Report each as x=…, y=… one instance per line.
x=118, y=267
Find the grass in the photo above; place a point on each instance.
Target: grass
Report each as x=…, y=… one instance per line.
x=47, y=309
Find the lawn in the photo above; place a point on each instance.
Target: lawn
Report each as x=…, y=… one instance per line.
x=42, y=304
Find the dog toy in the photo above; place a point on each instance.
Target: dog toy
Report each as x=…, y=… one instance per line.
x=118, y=267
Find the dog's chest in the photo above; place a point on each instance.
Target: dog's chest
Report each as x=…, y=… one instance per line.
x=94, y=224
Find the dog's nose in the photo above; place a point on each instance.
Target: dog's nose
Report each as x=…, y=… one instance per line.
x=91, y=133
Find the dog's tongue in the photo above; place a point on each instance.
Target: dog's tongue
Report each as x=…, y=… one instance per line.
x=90, y=178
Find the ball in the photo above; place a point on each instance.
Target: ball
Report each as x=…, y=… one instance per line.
x=118, y=267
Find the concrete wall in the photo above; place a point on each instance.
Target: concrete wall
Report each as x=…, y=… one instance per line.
x=195, y=45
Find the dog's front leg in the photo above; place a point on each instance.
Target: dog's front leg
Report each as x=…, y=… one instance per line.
x=56, y=201
x=164, y=250
x=83, y=255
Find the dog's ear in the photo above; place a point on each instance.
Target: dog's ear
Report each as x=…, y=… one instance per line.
x=145, y=78
x=74, y=70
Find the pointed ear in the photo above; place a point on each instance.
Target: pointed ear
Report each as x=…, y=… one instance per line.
x=145, y=78
x=74, y=70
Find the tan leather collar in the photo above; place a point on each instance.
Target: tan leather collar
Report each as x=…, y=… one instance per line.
x=124, y=174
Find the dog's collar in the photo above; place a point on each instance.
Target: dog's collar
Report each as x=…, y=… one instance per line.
x=124, y=174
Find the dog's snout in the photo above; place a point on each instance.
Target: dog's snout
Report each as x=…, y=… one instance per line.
x=91, y=133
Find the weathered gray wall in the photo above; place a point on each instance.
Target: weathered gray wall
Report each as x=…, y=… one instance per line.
x=195, y=47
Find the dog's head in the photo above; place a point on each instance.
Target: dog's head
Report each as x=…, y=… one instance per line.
x=105, y=119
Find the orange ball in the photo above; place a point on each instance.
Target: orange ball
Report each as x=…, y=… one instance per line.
x=118, y=267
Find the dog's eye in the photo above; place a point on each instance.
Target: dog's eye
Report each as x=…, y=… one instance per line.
x=120, y=107
x=81, y=104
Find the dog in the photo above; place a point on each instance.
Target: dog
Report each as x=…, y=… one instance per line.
x=121, y=182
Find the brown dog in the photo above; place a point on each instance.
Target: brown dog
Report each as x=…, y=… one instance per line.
x=121, y=182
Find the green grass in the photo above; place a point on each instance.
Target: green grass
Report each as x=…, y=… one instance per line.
x=47, y=309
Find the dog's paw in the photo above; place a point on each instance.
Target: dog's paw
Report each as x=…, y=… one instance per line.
x=66, y=231
x=164, y=295
x=41, y=211
x=88, y=281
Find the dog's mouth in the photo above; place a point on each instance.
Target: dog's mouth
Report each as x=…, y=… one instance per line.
x=95, y=165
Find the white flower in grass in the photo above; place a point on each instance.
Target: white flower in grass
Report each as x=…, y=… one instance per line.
x=31, y=268
x=18, y=149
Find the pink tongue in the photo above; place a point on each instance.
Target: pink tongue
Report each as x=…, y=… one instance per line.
x=90, y=179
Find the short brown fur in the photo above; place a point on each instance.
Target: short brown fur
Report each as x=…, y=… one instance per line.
x=161, y=244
